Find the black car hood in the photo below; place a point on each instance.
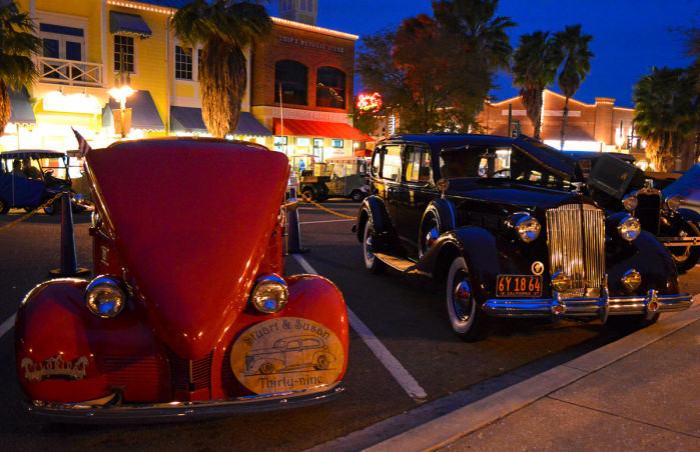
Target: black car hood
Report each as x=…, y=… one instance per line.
x=553, y=160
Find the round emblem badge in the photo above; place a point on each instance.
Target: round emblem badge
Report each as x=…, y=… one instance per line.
x=537, y=268
x=286, y=354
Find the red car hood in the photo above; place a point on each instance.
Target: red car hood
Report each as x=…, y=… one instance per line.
x=191, y=221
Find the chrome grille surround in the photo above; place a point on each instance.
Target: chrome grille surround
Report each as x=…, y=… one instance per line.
x=576, y=241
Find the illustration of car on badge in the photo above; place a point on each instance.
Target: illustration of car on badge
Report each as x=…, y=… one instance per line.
x=290, y=354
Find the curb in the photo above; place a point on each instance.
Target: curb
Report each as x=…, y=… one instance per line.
x=450, y=427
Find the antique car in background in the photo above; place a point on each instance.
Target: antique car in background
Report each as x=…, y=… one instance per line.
x=349, y=179
x=179, y=307
x=617, y=185
x=51, y=178
x=498, y=220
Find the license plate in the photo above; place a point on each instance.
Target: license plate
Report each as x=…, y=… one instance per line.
x=519, y=285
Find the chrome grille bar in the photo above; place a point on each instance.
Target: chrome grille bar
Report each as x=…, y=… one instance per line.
x=577, y=249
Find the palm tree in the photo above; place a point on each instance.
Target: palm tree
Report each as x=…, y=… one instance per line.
x=224, y=27
x=664, y=113
x=17, y=46
x=573, y=48
x=535, y=65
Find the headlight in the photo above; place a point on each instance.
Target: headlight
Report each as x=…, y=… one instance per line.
x=630, y=202
x=673, y=203
x=270, y=294
x=528, y=228
x=560, y=281
x=105, y=297
x=629, y=228
x=631, y=280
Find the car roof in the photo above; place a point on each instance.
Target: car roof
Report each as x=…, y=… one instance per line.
x=579, y=155
x=439, y=141
x=32, y=153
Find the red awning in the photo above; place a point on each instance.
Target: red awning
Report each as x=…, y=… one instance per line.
x=305, y=128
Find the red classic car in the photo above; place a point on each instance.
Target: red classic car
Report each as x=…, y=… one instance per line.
x=183, y=298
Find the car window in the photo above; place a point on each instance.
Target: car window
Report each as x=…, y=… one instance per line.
x=461, y=162
x=417, y=164
x=377, y=161
x=391, y=164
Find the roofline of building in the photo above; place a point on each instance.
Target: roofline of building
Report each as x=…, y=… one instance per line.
x=288, y=23
x=571, y=99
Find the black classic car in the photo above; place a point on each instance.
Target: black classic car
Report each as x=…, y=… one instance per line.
x=501, y=222
x=616, y=184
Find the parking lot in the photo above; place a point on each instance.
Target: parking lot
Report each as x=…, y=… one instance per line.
x=403, y=354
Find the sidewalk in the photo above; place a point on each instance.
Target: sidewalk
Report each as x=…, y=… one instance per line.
x=641, y=392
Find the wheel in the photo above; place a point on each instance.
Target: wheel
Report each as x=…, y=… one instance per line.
x=686, y=257
x=321, y=362
x=4, y=206
x=267, y=368
x=372, y=264
x=357, y=195
x=467, y=320
x=308, y=193
x=429, y=234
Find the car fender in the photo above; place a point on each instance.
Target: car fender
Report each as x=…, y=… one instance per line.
x=374, y=210
x=444, y=211
x=64, y=353
x=480, y=250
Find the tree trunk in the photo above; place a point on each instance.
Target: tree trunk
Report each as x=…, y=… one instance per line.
x=564, y=119
x=5, y=107
x=223, y=81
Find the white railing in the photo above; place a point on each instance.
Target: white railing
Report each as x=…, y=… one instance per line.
x=70, y=72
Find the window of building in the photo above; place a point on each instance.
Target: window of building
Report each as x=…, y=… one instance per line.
x=124, y=54
x=330, y=87
x=292, y=76
x=318, y=149
x=280, y=144
x=65, y=43
x=183, y=63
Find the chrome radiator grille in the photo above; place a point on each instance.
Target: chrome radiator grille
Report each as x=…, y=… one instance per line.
x=576, y=240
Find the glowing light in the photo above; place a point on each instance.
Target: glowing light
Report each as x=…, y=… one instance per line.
x=369, y=103
x=121, y=94
x=71, y=103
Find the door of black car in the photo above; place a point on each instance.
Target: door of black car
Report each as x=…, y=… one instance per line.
x=415, y=193
x=386, y=176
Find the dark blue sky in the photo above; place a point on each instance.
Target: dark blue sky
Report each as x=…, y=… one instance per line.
x=629, y=36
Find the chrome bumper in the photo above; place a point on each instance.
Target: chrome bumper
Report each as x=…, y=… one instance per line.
x=110, y=410
x=679, y=241
x=587, y=307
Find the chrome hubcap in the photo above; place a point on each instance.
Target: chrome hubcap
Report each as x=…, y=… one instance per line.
x=462, y=300
x=430, y=239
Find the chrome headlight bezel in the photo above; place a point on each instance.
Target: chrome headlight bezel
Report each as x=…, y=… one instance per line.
x=630, y=202
x=673, y=203
x=629, y=228
x=105, y=297
x=528, y=228
x=269, y=288
x=631, y=280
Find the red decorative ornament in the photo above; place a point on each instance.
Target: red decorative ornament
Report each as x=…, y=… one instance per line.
x=369, y=103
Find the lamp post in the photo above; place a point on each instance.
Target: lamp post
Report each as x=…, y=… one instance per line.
x=120, y=95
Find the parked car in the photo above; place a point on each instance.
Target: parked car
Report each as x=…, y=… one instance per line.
x=164, y=329
x=48, y=179
x=349, y=178
x=617, y=185
x=499, y=222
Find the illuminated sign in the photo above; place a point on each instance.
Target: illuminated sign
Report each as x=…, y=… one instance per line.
x=369, y=103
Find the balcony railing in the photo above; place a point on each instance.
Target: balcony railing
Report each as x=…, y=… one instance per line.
x=70, y=72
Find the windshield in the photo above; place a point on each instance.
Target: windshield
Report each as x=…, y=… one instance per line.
x=497, y=163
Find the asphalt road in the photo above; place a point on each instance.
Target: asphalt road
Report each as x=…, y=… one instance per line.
x=405, y=316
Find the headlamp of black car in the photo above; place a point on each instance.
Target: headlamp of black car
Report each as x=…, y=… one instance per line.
x=673, y=203
x=270, y=294
x=630, y=203
x=629, y=228
x=105, y=297
x=526, y=227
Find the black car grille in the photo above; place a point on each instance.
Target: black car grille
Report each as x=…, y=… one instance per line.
x=576, y=240
x=648, y=210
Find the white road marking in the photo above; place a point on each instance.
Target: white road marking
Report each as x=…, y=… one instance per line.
x=325, y=221
x=400, y=374
x=7, y=325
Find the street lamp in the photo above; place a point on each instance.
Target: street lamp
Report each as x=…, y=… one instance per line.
x=124, y=117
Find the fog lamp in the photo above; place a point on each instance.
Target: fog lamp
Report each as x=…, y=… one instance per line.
x=105, y=297
x=561, y=281
x=270, y=294
x=673, y=203
x=528, y=228
x=630, y=203
x=629, y=228
x=631, y=280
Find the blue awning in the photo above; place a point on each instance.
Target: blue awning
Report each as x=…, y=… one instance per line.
x=189, y=119
x=22, y=111
x=128, y=24
x=144, y=114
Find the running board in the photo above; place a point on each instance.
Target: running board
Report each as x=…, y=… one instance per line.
x=397, y=263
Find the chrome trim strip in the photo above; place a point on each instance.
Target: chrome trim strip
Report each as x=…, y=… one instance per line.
x=84, y=413
x=585, y=307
